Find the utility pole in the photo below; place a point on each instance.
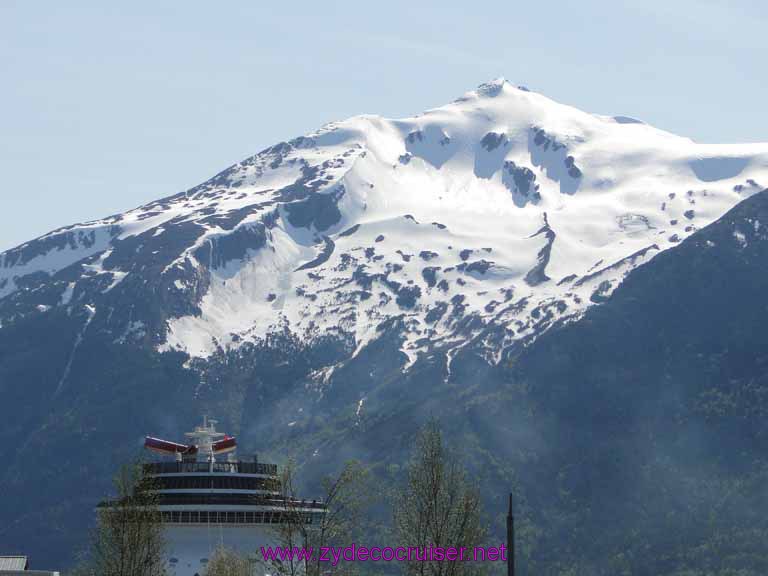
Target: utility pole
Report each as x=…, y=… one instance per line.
x=510, y=539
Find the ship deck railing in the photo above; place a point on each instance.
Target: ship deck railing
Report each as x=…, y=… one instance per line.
x=206, y=467
x=230, y=517
x=207, y=499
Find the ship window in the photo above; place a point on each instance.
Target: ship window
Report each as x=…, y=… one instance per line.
x=195, y=517
x=185, y=516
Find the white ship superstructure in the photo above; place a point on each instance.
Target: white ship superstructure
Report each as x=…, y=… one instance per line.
x=207, y=503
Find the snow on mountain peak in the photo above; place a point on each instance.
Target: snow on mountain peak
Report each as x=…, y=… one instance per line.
x=492, y=88
x=503, y=209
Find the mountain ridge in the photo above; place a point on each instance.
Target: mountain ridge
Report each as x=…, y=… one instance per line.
x=325, y=233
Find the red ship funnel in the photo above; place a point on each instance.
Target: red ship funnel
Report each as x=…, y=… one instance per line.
x=167, y=447
x=226, y=444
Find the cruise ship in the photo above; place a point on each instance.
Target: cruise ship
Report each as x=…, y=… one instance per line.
x=208, y=499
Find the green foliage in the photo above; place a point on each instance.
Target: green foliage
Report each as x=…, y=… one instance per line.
x=439, y=506
x=128, y=540
x=226, y=562
x=347, y=498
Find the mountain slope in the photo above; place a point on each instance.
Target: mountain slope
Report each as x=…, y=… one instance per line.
x=653, y=409
x=326, y=295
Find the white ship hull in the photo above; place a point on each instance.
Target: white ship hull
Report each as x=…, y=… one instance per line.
x=191, y=546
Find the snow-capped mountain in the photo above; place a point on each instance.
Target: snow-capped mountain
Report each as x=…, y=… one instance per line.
x=515, y=266
x=501, y=208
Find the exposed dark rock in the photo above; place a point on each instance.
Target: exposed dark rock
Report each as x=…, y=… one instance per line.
x=493, y=140
x=552, y=156
x=436, y=312
x=351, y=230
x=459, y=306
x=478, y=266
x=573, y=170
x=430, y=275
x=321, y=258
x=407, y=296
x=600, y=293
x=537, y=275
x=57, y=240
x=318, y=210
x=217, y=251
x=521, y=181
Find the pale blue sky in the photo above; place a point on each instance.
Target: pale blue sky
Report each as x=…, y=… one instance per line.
x=106, y=105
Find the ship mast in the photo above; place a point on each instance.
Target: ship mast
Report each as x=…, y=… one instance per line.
x=204, y=438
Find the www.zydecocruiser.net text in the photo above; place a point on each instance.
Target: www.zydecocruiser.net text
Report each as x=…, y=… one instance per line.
x=354, y=553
